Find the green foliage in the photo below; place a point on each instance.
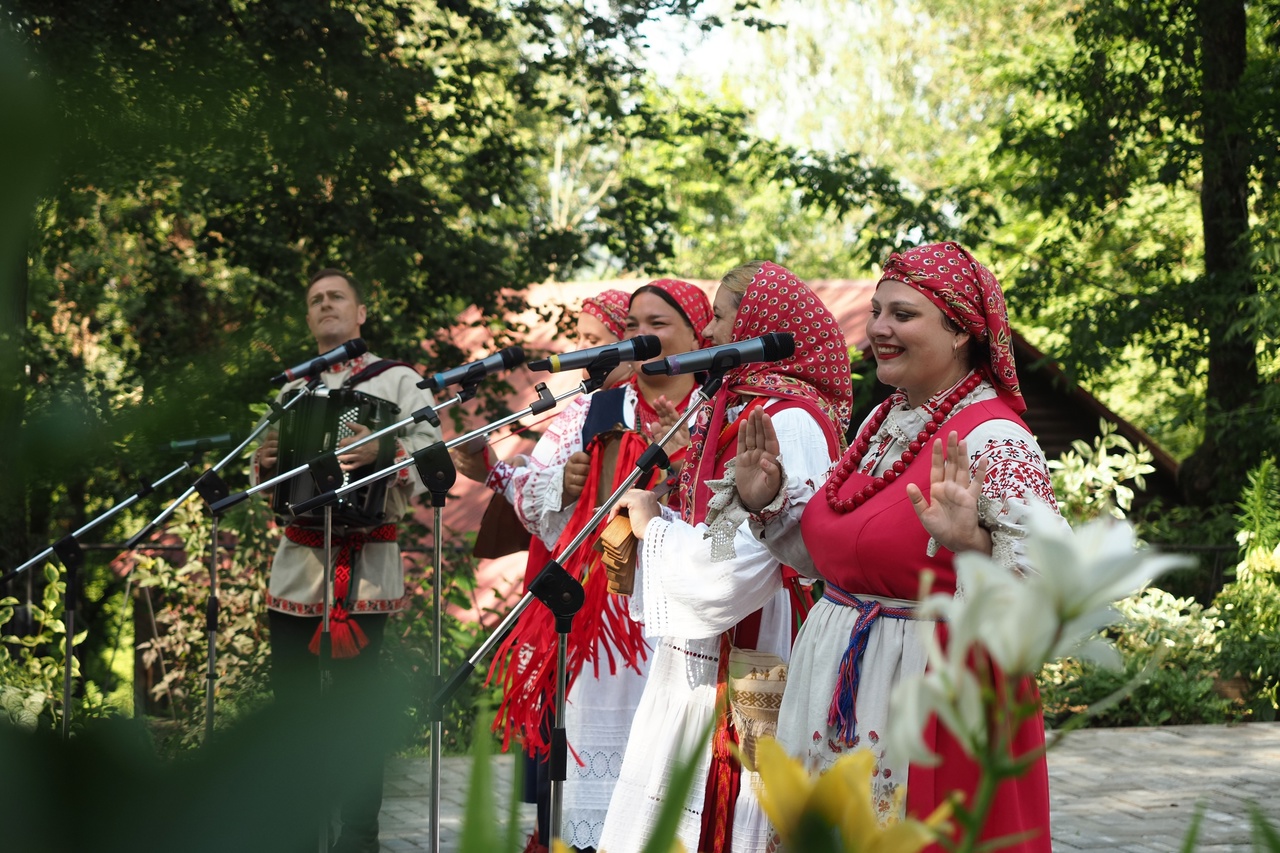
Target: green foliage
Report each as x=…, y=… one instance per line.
x=1168, y=647
x=1206, y=533
x=1194, y=663
x=1134, y=151
x=177, y=592
x=33, y=666
x=1090, y=480
x=263, y=779
x=1250, y=605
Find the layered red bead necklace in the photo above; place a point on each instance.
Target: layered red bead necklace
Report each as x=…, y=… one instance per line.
x=853, y=459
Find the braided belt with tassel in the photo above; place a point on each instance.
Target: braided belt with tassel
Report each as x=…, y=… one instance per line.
x=346, y=635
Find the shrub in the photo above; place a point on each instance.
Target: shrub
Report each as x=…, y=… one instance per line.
x=1250, y=604
x=1168, y=646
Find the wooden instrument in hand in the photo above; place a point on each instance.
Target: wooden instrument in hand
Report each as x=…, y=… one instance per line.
x=617, y=547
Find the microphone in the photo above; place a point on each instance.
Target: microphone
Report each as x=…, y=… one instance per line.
x=207, y=442
x=774, y=346
x=349, y=350
x=476, y=370
x=639, y=348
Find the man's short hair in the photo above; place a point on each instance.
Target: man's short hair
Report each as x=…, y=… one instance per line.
x=342, y=274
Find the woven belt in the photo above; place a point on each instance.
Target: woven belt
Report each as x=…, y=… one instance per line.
x=843, y=712
x=346, y=636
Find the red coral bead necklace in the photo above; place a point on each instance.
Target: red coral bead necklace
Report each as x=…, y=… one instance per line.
x=854, y=457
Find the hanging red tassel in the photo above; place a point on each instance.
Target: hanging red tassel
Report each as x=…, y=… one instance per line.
x=346, y=637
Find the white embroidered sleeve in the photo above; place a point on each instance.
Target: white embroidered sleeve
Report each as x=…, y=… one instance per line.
x=535, y=490
x=1017, y=475
x=683, y=593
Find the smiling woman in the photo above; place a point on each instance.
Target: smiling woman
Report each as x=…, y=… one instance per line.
x=904, y=500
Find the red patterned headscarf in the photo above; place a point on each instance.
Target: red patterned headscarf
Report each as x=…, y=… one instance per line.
x=817, y=374
x=969, y=295
x=609, y=307
x=692, y=302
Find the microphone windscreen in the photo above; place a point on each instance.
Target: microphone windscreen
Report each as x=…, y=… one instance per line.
x=512, y=356
x=647, y=347
x=355, y=347
x=779, y=345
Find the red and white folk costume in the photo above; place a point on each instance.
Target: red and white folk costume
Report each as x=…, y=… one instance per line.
x=297, y=572
x=608, y=658
x=690, y=600
x=525, y=485
x=859, y=532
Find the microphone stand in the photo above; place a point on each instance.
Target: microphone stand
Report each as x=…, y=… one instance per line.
x=143, y=491
x=71, y=556
x=325, y=655
x=546, y=400
x=563, y=596
x=325, y=467
x=212, y=489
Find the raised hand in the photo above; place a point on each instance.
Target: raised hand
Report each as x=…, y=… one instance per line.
x=950, y=513
x=759, y=475
x=575, y=476
x=668, y=416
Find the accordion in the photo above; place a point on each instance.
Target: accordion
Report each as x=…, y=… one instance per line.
x=313, y=426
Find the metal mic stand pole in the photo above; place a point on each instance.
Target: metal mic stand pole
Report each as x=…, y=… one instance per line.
x=326, y=648
x=325, y=468
x=438, y=473
x=143, y=491
x=71, y=556
x=563, y=596
x=212, y=489
x=546, y=400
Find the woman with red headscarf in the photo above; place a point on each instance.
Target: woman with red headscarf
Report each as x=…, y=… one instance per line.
x=602, y=320
x=595, y=443
x=706, y=587
x=895, y=507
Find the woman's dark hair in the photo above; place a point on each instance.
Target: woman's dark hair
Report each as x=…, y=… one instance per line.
x=979, y=351
x=667, y=298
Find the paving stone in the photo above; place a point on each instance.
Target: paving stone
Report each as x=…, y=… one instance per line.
x=1134, y=790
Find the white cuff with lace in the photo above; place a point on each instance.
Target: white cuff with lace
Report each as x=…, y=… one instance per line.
x=726, y=512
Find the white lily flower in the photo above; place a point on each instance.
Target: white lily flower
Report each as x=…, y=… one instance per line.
x=1091, y=567
x=1022, y=622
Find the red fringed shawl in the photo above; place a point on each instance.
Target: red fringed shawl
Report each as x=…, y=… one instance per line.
x=525, y=662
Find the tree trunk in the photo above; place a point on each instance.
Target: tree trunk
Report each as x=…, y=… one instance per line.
x=14, y=539
x=1216, y=470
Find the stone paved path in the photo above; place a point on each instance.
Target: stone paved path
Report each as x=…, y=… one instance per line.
x=1132, y=790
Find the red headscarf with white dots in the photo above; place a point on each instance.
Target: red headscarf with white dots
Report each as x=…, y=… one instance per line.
x=969, y=295
x=817, y=374
x=609, y=307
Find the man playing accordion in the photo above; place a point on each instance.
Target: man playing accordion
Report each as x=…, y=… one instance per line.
x=368, y=574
